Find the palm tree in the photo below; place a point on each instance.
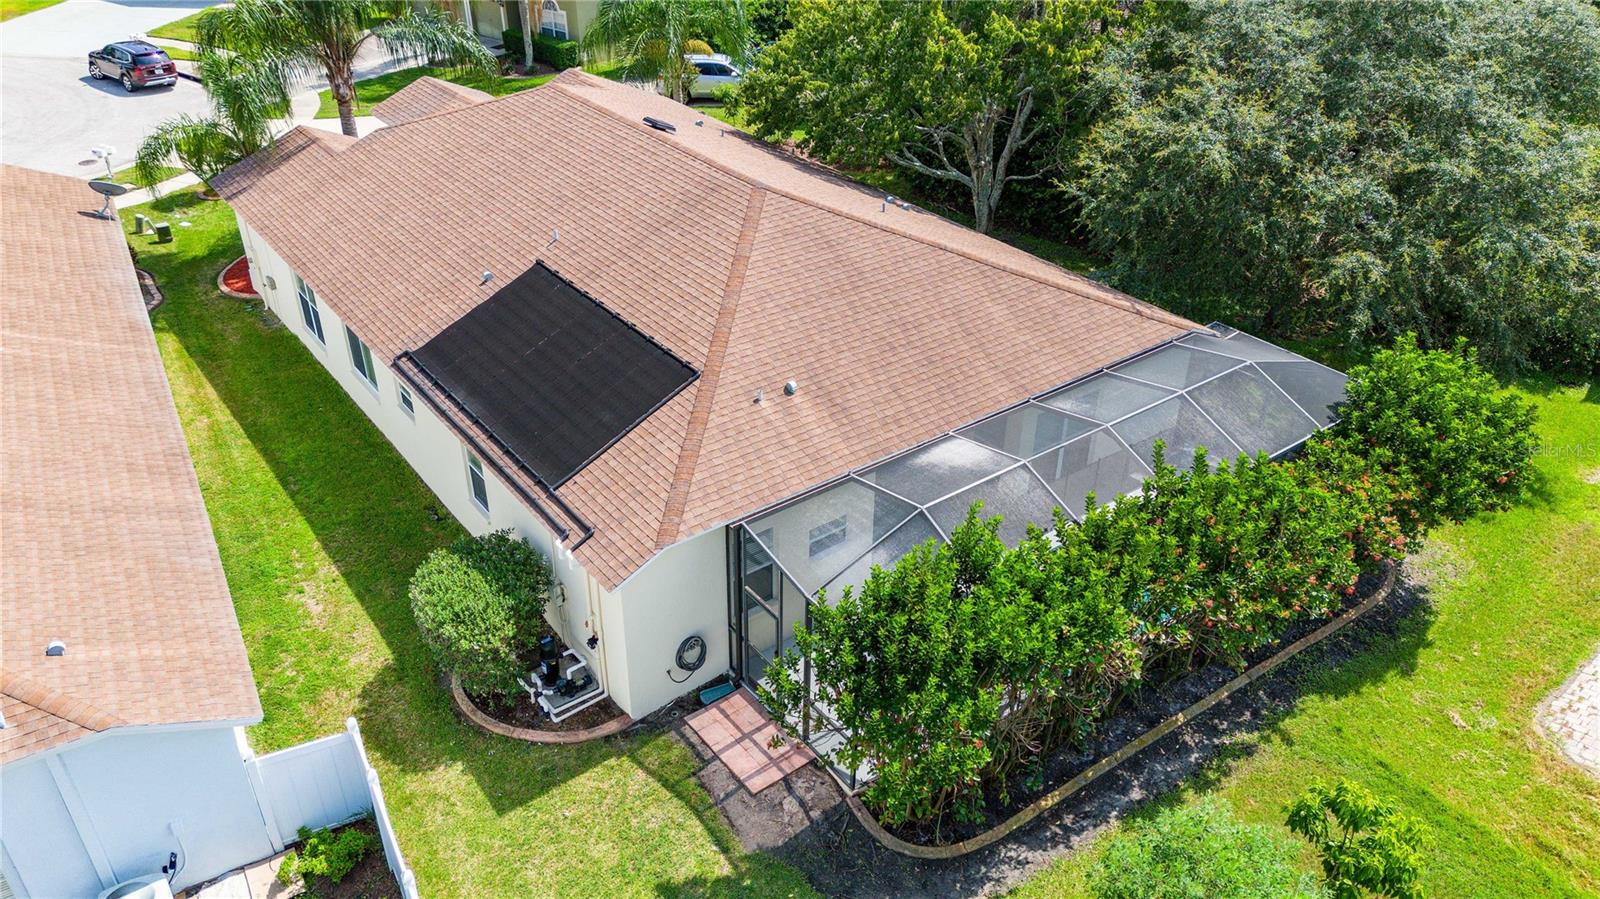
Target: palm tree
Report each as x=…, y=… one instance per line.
x=654, y=35
x=246, y=101
x=296, y=39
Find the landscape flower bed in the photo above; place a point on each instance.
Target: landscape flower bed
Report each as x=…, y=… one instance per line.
x=956, y=673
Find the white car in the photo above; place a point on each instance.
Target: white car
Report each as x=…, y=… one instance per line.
x=716, y=70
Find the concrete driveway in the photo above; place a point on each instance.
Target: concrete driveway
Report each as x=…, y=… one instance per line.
x=52, y=112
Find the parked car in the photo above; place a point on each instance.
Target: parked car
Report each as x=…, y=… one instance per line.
x=135, y=63
x=716, y=70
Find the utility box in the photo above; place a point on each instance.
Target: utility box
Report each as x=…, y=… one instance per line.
x=163, y=232
x=140, y=222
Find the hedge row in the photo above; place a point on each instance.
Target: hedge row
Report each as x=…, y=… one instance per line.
x=961, y=665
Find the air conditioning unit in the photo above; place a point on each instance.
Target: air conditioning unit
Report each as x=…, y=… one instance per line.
x=150, y=886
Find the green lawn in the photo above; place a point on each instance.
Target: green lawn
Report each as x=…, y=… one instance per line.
x=124, y=175
x=181, y=30
x=1441, y=718
x=176, y=52
x=320, y=523
x=372, y=91
x=10, y=9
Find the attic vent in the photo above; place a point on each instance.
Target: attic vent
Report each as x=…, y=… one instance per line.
x=659, y=125
x=55, y=648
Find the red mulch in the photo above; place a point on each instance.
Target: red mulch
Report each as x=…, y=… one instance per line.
x=236, y=277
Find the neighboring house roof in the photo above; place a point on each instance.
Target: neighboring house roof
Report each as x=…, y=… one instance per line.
x=749, y=264
x=425, y=97
x=106, y=546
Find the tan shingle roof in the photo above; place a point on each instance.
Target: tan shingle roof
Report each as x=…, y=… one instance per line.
x=425, y=97
x=749, y=264
x=106, y=543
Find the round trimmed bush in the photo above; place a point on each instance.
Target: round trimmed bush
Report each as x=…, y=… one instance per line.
x=1200, y=851
x=479, y=604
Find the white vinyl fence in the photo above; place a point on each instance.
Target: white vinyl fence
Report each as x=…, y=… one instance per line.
x=322, y=783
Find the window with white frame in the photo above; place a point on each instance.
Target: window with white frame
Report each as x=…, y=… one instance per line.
x=361, y=358
x=406, y=403
x=477, y=482
x=308, y=309
x=552, y=20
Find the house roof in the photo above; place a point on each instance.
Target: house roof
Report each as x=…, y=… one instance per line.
x=425, y=97
x=107, y=545
x=748, y=263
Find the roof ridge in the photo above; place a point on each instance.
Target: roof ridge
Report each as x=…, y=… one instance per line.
x=710, y=374
x=61, y=705
x=1069, y=282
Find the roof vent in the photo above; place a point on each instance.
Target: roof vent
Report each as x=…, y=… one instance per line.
x=487, y=277
x=760, y=395
x=790, y=388
x=890, y=200
x=660, y=125
x=56, y=648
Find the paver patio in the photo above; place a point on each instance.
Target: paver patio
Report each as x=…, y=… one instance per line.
x=738, y=730
x=1572, y=715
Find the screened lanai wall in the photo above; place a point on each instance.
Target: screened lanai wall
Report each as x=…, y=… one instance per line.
x=1094, y=437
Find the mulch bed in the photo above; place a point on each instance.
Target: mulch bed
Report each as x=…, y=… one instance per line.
x=523, y=712
x=369, y=879
x=235, y=279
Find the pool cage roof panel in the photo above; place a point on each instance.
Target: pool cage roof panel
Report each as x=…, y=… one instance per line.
x=1231, y=393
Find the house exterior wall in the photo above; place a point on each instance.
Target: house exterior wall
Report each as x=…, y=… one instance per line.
x=118, y=799
x=682, y=591
x=580, y=607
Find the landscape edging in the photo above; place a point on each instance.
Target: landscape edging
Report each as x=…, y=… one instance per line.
x=1093, y=772
x=551, y=737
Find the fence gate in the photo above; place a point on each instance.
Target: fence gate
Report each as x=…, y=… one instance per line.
x=315, y=784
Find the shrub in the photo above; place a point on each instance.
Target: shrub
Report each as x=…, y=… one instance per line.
x=326, y=853
x=512, y=39
x=1365, y=843
x=554, y=52
x=1438, y=423
x=1199, y=850
x=478, y=605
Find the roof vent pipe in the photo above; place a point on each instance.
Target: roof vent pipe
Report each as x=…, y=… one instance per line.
x=760, y=395
x=487, y=277
x=791, y=387
x=55, y=648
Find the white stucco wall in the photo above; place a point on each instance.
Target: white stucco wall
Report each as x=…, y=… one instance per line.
x=679, y=592
x=136, y=794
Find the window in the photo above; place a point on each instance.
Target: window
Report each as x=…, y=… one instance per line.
x=552, y=21
x=406, y=402
x=361, y=358
x=308, y=309
x=476, y=481
x=827, y=535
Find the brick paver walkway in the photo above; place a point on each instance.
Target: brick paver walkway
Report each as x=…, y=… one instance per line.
x=1572, y=715
x=738, y=730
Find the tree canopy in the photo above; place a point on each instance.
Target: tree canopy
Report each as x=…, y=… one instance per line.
x=1359, y=169
x=952, y=90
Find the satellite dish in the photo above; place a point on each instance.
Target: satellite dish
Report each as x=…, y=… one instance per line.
x=107, y=189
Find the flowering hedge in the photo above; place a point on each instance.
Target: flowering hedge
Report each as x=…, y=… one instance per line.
x=964, y=662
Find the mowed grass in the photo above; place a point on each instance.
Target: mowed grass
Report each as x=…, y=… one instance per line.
x=180, y=30
x=372, y=91
x=1441, y=719
x=320, y=524
x=10, y=9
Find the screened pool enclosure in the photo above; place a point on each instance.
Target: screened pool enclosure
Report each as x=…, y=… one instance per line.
x=1094, y=436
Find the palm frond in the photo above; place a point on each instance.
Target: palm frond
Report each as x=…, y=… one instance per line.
x=436, y=37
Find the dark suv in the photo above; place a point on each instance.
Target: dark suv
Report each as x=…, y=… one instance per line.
x=135, y=63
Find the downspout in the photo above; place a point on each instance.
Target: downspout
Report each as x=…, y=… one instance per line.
x=598, y=615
